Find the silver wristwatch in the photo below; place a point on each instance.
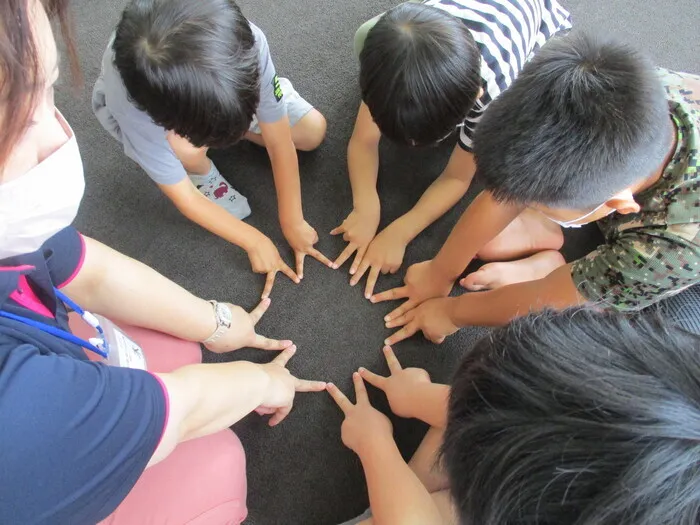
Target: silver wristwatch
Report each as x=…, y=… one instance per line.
x=223, y=317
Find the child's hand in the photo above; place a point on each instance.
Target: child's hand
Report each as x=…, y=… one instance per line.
x=358, y=230
x=433, y=318
x=264, y=258
x=242, y=332
x=399, y=386
x=363, y=423
x=422, y=282
x=385, y=255
x=279, y=397
x=302, y=237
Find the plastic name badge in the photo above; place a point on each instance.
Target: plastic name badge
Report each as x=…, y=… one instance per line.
x=123, y=351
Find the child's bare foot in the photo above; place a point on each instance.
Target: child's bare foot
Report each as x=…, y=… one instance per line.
x=530, y=233
x=497, y=274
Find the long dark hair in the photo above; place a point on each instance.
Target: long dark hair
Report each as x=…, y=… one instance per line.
x=20, y=65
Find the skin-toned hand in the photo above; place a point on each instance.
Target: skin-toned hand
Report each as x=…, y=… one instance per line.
x=363, y=423
x=264, y=258
x=302, y=237
x=242, y=332
x=431, y=317
x=400, y=384
x=279, y=397
x=422, y=282
x=384, y=255
x=358, y=230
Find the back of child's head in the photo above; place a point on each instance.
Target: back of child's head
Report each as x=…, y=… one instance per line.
x=581, y=417
x=191, y=65
x=584, y=120
x=419, y=73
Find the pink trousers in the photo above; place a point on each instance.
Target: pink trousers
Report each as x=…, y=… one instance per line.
x=203, y=481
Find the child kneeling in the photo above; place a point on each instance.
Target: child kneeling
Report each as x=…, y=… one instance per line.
x=581, y=417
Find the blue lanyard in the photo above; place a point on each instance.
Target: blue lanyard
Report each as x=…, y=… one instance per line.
x=96, y=344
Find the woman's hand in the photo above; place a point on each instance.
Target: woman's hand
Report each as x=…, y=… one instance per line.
x=264, y=258
x=242, y=332
x=279, y=397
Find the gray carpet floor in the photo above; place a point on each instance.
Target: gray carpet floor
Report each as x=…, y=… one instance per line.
x=299, y=473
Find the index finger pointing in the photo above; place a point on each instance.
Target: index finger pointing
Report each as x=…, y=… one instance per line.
x=286, y=270
x=259, y=310
x=360, y=389
x=283, y=358
x=269, y=283
x=320, y=257
x=392, y=360
x=373, y=379
x=371, y=281
x=304, y=385
x=406, y=332
x=391, y=295
x=300, y=264
x=343, y=402
x=347, y=252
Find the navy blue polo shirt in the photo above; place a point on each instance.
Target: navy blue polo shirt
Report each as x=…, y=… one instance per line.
x=75, y=435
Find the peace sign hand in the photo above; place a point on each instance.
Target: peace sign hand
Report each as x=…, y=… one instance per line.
x=242, y=332
x=400, y=386
x=363, y=423
x=279, y=397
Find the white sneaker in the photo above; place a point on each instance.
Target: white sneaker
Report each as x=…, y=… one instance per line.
x=215, y=188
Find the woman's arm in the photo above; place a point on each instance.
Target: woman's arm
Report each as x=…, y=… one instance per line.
x=206, y=398
x=123, y=289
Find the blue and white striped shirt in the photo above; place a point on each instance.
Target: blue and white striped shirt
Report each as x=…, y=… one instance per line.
x=508, y=33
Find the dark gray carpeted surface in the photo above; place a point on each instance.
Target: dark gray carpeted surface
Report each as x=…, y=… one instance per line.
x=300, y=473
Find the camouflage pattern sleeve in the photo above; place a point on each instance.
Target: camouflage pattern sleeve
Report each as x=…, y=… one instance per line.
x=640, y=268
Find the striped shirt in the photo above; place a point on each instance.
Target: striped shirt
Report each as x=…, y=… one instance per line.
x=508, y=33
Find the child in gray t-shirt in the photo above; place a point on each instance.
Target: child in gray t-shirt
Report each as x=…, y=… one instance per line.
x=179, y=77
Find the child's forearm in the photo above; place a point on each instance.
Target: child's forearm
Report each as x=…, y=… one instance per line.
x=440, y=197
x=285, y=169
x=500, y=306
x=396, y=495
x=218, y=221
x=363, y=167
x=482, y=221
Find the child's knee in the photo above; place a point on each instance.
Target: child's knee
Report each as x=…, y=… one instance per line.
x=310, y=131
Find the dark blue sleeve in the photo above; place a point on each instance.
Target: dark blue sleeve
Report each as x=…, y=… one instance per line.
x=64, y=254
x=75, y=436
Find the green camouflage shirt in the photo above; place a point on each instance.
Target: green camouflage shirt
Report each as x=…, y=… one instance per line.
x=654, y=253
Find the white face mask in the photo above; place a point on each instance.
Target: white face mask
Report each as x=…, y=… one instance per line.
x=576, y=223
x=43, y=201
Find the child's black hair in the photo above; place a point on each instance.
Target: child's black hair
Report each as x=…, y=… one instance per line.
x=584, y=120
x=577, y=418
x=191, y=65
x=419, y=73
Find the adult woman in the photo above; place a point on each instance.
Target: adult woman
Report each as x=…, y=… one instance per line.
x=75, y=435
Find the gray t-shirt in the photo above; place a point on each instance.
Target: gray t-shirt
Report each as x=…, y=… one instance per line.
x=143, y=140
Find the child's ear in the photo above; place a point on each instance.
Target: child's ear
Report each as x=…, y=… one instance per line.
x=623, y=202
x=481, y=93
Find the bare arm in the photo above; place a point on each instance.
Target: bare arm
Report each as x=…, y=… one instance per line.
x=204, y=399
x=285, y=168
x=396, y=495
x=500, y=306
x=360, y=226
x=480, y=223
x=121, y=288
x=363, y=161
x=440, y=197
x=210, y=216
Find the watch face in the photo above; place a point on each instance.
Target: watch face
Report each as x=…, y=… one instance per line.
x=224, y=313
